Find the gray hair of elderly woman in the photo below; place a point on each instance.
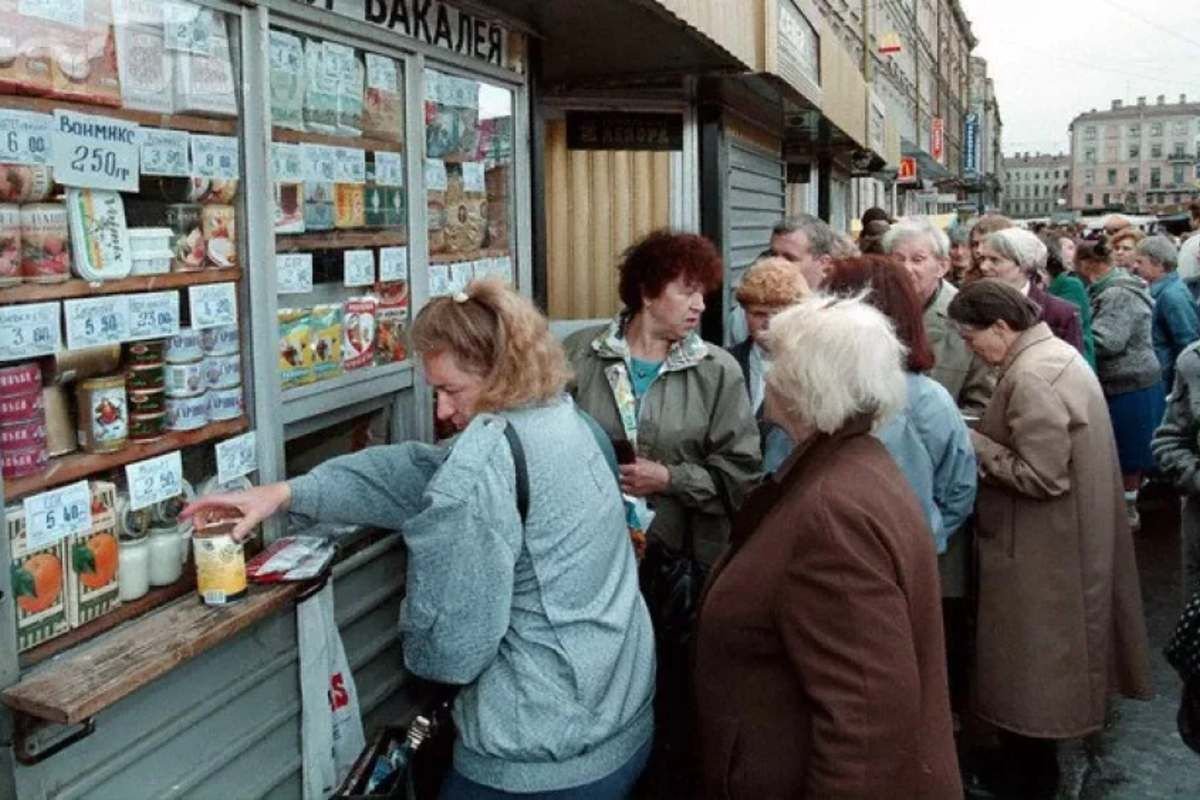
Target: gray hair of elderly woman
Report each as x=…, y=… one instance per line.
x=915, y=228
x=1161, y=251
x=1020, y=246
x=821, y=237
x=985, y=302
x=833, y=360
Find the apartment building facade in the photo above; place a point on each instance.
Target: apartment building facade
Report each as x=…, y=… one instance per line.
x=1035, y=184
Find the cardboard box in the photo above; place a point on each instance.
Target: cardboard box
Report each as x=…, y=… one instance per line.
x=92, y=561
x=39, y=584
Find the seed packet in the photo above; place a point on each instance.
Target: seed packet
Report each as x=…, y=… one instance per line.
x=318, y=206
x=203, y=66
x=287, y=81
x=391, y=318
x=358, y=326
x=289, y=208
x=320, y=89
x=350, y=96
x=295, y=347
x=465, y=209
x=327, y=341
x=349, y=205
x=383, y=116
x=451, y=116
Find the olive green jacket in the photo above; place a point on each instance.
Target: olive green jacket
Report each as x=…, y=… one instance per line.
x=695, y=419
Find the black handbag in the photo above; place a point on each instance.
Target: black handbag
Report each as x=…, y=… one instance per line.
x=1183, y=653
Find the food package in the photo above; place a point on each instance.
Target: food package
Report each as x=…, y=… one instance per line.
x=38, y=584
x=349, y=205
x=496, y=180
x=451, y=117
x=292, y=558
x=25, y=183
x=396, y=215
x=383, y=107
x=144, y=66
x=318, y=206
x=391, y=318
x=436, y=182
x=321, y=80
x=10, y=244
x=26, y=61
x=295, y=347
x=350, y=96
x=92, y=561
x=327, y=341
x=218, y=223
x=212, y=191
x=358, y=325
x=187, y=237
x=61, y=436
x=376, y=201
x=465, y=209
x=45, y=243
x=99, y=236
x=85, y=59
x=198, y=41
x=287, y=81
x=289, y=208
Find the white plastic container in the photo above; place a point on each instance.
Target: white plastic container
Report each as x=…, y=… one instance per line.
x=151, y=263
x=99, y=239
x=166, y=566
x=145, y=242
x=134, y=575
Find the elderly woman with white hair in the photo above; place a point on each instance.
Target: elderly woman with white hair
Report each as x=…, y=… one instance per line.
x=1016, y=257
x=820, y=668
x=923, y=249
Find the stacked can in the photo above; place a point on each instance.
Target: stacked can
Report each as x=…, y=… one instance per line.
x=22, y=421
x=223, y=371
x=186, y=401
x=145, y=376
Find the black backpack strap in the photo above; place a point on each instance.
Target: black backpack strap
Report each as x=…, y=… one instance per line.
x=518, y=456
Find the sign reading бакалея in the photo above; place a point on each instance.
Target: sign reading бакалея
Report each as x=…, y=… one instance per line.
x=432, y=22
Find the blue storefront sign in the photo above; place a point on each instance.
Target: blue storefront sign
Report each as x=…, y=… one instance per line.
x=971, y=146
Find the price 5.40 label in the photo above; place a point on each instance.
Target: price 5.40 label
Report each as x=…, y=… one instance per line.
x=51, y=516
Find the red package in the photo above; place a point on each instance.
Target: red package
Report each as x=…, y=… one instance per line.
x=358, y=333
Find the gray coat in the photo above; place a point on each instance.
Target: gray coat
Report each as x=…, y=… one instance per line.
x=1121, y=327
x=1176, y=447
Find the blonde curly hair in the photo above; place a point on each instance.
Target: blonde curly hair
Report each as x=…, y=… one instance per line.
x=497, y=334
x=773, y=282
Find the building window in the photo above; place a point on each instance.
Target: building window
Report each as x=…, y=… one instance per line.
x=1177, y=174
x=1089, y=132
x=1155, y=177
x=1156, y=150
x=1089, y=176
x=1178, y=151
x=1134, y=176
x=1136, y=129
x=1156, y=129
x=1135, y=151
x=1089, y=155
x=1181, y=128
x=1112, y=177
x=1106, y=196
x=1089, y=199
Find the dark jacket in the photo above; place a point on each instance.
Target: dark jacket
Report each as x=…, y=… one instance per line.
x=1068, y=286
x=1060, y=315
x=821, y=668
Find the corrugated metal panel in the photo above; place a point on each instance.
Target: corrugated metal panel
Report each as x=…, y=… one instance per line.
x=756, y=183
x=597, y=204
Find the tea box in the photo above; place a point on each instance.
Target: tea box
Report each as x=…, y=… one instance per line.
x=93, y=561
x=38, y=584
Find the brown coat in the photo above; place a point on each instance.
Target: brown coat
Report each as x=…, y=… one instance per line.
x=1060, y=622
x=821, y=671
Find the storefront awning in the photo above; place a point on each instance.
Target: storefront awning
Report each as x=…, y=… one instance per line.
x=928, y=169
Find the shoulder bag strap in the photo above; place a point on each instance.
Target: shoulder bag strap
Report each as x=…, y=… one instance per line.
x=518, y=456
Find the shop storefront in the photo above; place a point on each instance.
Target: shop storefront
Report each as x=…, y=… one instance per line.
x=216, y=223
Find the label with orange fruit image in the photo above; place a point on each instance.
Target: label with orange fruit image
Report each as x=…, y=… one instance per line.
x=38, y=582
x=92, y=561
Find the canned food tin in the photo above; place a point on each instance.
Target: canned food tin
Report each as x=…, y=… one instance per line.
x=21, y=407
x=222, y=340
x=147, y=427
x=142, y=377
x=103, y=419
x=225, y=404
x=184, y=380
x=146, y=353
x=23, y=434
x=223, y=372
x=187, y=413
x=45, y=243
x=10, y=244
x=26, y=461
x=184, y=347
x=20, y=379
x=147, y=401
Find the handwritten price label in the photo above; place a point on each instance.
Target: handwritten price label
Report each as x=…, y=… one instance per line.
x=389, y=168
x=97, y=321
x=213, y=305
x=320, y=163
x=288, y=162
x=165, y=152
x=154, y=480
x=439, y=280
x=295, y=273
x=95, y=152
x=154, y=315
x=472, y=173
x=236, y=457
x=435, y=175
x=52, y=516
x=358, y=267
x=214, y=156
x=393, y=264
x=25, y=137
x=350, y=165
x=30, y=331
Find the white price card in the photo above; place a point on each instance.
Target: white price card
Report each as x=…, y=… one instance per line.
x=213, y=305
x=96, y=321
x=30, y=331
x=393, y=264
x=439, y=280
x=358, y=267
x=154, y=480
x=52, y=516
x=294, y=273
x=472, y=172
x=236, y=457
x=95, y=152
x=189, y=28
x=214, y=156
x=382, y=73
x=288, y=162
x=320, y=163
x=25, y=137
x=502, y=269
x=350, y=165
x=166, y=152
x=435, y=175
x=461, y=274
x=389, y=168
x=153, y=315
x=64, y=12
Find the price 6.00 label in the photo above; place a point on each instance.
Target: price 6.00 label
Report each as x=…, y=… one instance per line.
x=25, y=137
x=51, y=516
x=154, y=480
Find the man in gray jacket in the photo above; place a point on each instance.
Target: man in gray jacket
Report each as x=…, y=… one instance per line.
x=1176, y=447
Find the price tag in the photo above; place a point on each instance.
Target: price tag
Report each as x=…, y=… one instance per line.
x=52, y=516
x=288, y=161
x=350, y=165
x=25, y=137
x=96, y=321
x=472, y=172
x=393, y=264
x=236, y=457
x=188, y=28
x=154, y=315
x=95, y=152
x=502, y=269
x=435, y=175
x=214, y=156
x=461, y=274
x=439, y=280
x=382, y=73
x=389, y=168
x=165, y=152
x=294, y=273
x=154, y=480
x=320, y=163
x=358, y=267
x=64, y=12
x=213, y=305
x=30, y=331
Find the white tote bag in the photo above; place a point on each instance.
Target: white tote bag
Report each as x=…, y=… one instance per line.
x=331, y=733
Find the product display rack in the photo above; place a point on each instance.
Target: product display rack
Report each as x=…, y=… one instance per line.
x=77, y=287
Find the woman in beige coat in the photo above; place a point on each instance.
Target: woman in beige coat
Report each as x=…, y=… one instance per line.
x=1060, y=623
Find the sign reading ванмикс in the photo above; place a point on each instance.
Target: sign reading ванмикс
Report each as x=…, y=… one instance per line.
x=432, y=22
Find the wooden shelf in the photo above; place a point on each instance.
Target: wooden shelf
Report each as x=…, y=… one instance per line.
x=32, y=292
x=358, y=142
x=339, y=240
x=77, y=466
x=182, y=122
x=454, y=258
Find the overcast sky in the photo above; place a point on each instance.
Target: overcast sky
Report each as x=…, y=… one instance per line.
x=1053, y=59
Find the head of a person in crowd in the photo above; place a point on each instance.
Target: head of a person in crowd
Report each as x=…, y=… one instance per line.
x=1013, y=255
x=664, y=279
x=987, y=225
x=769, y=286
x=875, y=214
x=890, y=290
x=1066, y=249
x=1114, y=224
x=1057, y=260
x=487, y=348
x=870, y=239
x=807, y=242
x=923, y=249
x=1194, y=214
x=844, y=246
x=1093, y=260
x=834, y=361
x=1189, y=260
x=1123, y=245
x=1155, y=258
x=991, y=315
x=960, y=248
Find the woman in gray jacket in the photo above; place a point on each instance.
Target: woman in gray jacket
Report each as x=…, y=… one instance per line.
x=541, y=623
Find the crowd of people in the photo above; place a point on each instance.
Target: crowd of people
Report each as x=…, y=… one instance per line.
x=880, y=548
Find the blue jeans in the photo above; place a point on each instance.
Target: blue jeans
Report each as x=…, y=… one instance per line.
x=617, y=785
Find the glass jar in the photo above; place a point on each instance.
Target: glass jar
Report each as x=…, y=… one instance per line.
x=134, y=575
x=165, y=566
